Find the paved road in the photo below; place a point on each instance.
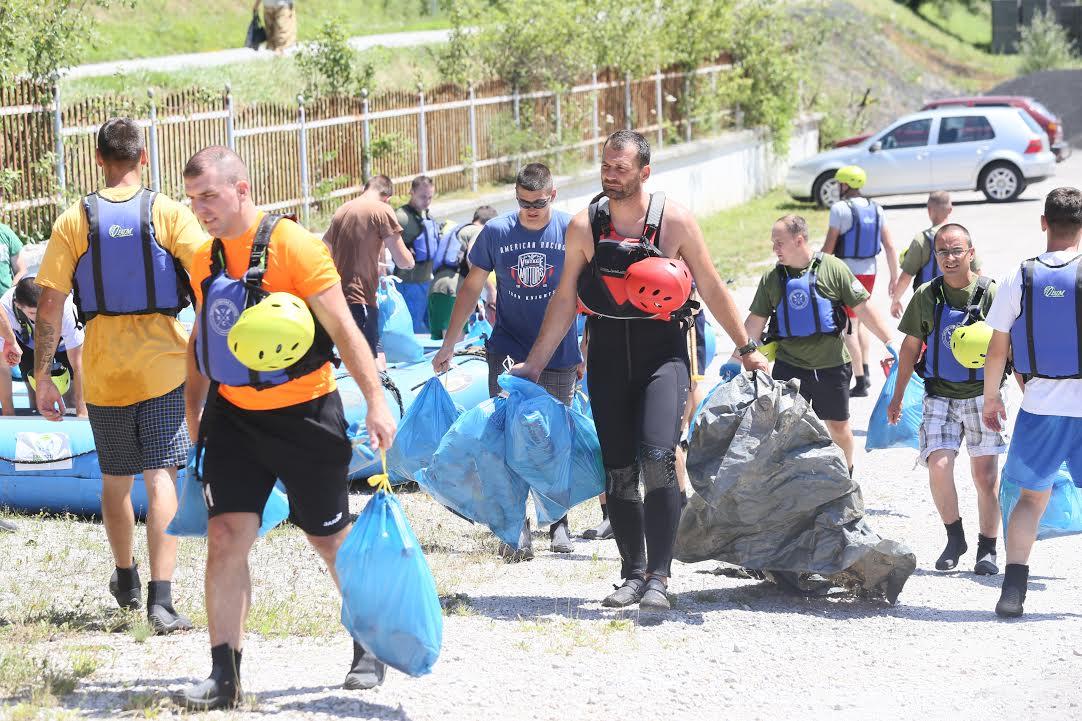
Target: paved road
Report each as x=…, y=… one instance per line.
x=232, y=56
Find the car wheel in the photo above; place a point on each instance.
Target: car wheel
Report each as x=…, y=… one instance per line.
x=825, y=190
x=1001, y=182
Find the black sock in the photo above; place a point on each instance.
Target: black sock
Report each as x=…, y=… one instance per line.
x=160, y=593
x=865, y=367
x=956, y=546
x=127, y=577
x=683, y=499
x=225, y=664
x=985, y=545
x=604, y=512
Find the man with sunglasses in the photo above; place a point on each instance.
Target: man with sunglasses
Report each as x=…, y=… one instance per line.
x=526, y=251
x=953, y=400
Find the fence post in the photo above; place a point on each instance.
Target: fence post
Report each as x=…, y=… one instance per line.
x=660, y=109
x=515, y=100
x=597, y=111
x=473, y=138
x=155, y=163
x=627, y=101
x=422, y=131
x=58, y=130
x=303, y=133
x=687, y=105
x=366, y=135
x=230, y=118
x=559, y=131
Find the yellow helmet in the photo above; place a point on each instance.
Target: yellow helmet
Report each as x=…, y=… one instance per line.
x=969, y=343
x=770, y=350
x=61, y=379
x=273, y=334
x=852, y=175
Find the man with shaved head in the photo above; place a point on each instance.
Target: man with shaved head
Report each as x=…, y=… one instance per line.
x=125, y=251
x=254, y=429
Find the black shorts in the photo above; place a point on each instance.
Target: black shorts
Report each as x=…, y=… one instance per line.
x=826, y=388
x=367, y=319
x=304, y=445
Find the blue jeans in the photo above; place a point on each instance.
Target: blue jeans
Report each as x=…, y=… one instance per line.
x=416, y=295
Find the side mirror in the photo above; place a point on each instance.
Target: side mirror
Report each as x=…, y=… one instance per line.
x=876, y=146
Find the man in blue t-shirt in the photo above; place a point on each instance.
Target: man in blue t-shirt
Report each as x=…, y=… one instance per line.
x=526, y=252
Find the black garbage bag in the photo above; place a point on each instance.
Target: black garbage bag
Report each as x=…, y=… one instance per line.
x=257, y=34
x=773, y=494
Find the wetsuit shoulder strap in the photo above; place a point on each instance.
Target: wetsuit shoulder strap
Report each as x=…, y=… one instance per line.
x=655, y=211
x=598, y=214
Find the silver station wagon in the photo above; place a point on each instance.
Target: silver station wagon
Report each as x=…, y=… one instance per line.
x=997, y=151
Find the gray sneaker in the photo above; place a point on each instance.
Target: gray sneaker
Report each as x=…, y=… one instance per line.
x=524, y=552
x=626, y=594
x=561, y=538
x=7, y=526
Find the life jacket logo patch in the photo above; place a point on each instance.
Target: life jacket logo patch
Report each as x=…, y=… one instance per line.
x=119, y=231
x=532, y=270
x=798, y=299
x=945, y=336
x=223, y=314
x=1051, y=291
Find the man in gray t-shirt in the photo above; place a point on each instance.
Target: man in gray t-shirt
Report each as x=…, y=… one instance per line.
x=850, y=180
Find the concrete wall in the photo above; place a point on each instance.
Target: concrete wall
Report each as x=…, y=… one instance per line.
x=705, y=175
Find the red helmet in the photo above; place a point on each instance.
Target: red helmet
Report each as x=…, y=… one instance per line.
x=658, y=286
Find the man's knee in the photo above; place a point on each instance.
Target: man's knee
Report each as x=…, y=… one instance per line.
x=232, y=533
x=327, y=546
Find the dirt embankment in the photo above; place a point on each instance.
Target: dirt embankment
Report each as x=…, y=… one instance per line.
x=1059, y=90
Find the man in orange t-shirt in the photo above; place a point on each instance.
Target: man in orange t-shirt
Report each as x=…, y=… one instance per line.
x=292, y=427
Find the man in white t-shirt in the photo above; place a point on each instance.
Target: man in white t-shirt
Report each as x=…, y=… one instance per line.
x=858, y=241
x=1035, y=316
x=20, y=307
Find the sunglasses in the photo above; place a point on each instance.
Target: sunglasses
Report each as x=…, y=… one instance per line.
x=533, y=204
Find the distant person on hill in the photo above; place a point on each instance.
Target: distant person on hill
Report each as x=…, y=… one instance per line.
x=280, y=22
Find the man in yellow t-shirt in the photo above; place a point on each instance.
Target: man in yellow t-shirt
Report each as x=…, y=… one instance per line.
x=125, y=251
x=256, y=428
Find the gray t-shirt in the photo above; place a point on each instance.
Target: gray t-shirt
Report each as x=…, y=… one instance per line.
x=842, y=219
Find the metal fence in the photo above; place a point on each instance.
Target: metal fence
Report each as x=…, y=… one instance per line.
x=307, y=157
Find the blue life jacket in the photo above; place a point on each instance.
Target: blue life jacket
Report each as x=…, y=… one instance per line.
x=425, y=245
x=864, y=238
x=930, y=270
x=24, y=332
x=1046, y=337
x=450, y=252
x=938, y=361
x=125, y=271
x=802, y=310
x=224, y=299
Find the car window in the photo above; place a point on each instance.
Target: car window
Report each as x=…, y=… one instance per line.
x=1041, y=109
x=908, y=135
x=965, y=129
x=1033, y=124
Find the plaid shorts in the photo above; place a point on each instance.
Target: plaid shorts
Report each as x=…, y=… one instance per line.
x=145, y=435
x=946, y=420
x=560, y=382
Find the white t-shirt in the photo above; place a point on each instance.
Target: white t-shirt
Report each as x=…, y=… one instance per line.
x=1043, y=396
x=71, y=335
x=842, y=219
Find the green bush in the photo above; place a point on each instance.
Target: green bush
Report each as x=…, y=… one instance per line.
x=1045, y=45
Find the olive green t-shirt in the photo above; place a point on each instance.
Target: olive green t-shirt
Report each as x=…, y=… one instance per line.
x=919, y=319
x=834, y=281
x=410, y=221
x=920, y=250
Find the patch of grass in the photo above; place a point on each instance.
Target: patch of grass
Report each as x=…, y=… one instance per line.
x=43, y=680
x=146, y=704
x=563, y=634
x=166, y=27
x=739, y=238
x=294, y=616
x=141, y=630
x=954, y=18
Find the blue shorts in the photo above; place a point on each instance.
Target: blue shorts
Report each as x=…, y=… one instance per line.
x=1039, y=446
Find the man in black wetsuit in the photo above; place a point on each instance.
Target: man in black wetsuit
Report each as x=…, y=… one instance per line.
x=638, y=361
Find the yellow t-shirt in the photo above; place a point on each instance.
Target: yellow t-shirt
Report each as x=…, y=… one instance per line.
x=298, y=263
x=126, y=358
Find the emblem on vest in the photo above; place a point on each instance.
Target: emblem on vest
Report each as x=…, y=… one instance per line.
x=798, y=299
x=119, y=231
x=532, y=270
x=945, y=336
x=1051, y=291
x=223, y=314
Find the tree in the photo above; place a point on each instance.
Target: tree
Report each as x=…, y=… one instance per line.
x=39, y=37
x=1045, y=45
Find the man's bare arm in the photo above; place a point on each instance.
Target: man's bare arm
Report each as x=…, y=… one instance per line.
x=401, y=254
x=47, y=330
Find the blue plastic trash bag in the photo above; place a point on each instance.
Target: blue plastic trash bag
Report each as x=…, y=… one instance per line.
x=427, y=419
x=1063, y=514
x=551, y=447
x=191, y=516
x=389, y=601
x=469, y=474
x=400, y=345
x=729, y=370
x=479, y=328
x=906, y=434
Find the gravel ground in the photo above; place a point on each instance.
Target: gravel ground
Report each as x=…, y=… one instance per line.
x=531, y=640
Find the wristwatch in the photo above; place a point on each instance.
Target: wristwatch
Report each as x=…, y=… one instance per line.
x=745, y=349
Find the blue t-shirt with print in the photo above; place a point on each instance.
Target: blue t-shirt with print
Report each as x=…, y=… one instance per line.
x=527, y=265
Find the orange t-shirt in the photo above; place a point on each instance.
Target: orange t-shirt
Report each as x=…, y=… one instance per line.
x=298, y=263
